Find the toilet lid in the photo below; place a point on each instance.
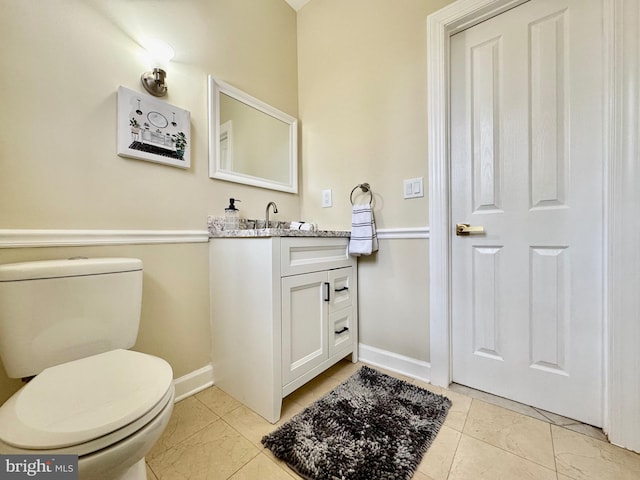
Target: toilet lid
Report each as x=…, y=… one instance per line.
x=79, y=401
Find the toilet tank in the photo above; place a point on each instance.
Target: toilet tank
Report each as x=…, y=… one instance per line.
x=56, y=311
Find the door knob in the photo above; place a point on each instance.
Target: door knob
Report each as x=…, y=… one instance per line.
x=463, y=229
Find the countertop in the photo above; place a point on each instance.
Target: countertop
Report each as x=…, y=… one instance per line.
x=276, y=232
x=276, y=229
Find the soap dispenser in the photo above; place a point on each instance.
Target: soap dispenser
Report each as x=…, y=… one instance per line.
x=232, y=216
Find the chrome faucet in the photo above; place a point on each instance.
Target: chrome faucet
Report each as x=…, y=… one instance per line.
x=266, y=213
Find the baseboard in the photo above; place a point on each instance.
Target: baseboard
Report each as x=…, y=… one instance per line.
x=193, y=382
x=394, y=362
x=200, y=379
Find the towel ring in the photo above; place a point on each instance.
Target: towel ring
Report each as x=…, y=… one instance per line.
x=366, y=188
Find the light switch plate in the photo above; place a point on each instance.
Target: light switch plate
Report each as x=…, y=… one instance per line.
x=414, y=187
x=326, y=198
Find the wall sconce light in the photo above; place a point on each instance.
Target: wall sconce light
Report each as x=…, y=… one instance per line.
x=153, y=82
x=159, y=55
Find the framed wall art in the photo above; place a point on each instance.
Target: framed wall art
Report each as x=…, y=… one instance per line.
x=152, y=130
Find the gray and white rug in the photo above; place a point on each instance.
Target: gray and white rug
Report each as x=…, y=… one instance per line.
x=371, y=427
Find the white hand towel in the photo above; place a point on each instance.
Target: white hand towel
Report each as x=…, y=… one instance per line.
x=304, y=226
x=295, y=225
x=307, y=227
x=364, y=240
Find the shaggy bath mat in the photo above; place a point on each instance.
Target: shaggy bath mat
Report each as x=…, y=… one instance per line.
x=371, y=427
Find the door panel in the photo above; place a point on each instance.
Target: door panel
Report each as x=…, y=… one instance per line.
x=547, y=91
x=549, y=314
x=486, y=298
x=526, y=163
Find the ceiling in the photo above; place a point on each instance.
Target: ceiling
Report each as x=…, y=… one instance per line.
x=297, y=4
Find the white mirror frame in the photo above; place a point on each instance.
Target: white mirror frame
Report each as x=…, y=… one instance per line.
x=216, y=87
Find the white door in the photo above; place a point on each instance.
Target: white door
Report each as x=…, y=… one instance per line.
x=526, y=164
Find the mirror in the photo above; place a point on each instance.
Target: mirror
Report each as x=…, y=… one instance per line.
x=250, y=141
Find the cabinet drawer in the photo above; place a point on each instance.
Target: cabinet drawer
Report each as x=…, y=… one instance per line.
x=312, y=254
x=340, y=331
x=340, y=285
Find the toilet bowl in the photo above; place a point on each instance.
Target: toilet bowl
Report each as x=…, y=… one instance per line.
x=68, y=324
x=109, y=409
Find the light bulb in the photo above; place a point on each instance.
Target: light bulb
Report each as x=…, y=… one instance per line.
x=159, y=53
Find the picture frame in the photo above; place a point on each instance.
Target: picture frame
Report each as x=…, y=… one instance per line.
x=152, y=130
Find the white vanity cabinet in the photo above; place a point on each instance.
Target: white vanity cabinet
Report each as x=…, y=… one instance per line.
x=283, y=310
x=317, y=321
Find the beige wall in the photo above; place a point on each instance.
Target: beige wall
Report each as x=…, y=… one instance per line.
x=394, y=302
x=362, y=83
x=61, y=64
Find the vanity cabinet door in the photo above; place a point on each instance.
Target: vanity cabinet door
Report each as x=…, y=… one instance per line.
x=305, y=317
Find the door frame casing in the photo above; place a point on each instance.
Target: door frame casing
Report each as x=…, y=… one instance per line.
x=441, y=26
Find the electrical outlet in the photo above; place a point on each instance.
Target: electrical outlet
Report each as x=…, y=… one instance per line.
x=414, y=187
x=326, y=198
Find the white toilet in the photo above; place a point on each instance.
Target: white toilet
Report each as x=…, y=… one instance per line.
x=69, y=323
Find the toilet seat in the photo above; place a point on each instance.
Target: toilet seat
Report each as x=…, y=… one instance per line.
x=82, y=406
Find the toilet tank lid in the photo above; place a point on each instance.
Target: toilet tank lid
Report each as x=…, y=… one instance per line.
x=71, y=267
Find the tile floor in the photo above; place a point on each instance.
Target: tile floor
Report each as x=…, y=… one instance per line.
x=212, y=436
